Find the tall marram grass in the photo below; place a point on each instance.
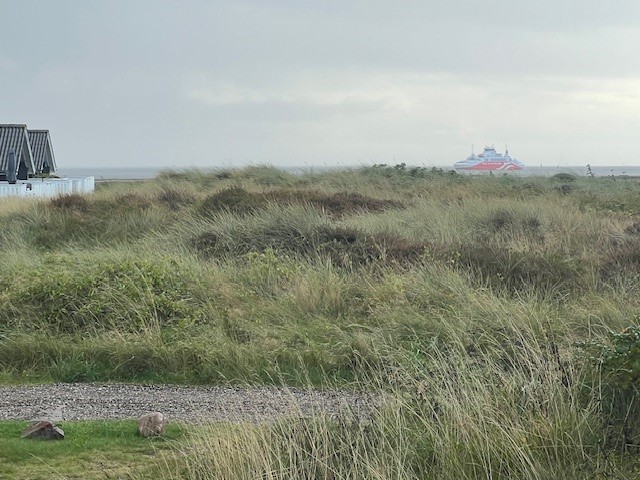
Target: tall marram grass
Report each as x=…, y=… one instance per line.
x=508, y=406
x=472, y=305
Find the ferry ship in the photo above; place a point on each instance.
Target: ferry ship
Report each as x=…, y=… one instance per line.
x=489, y=160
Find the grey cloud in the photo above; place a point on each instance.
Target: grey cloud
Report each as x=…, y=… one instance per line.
x=331, y=81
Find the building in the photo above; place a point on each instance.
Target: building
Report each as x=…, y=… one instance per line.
x=43, y=159
x=34, y=158
x=16, y=137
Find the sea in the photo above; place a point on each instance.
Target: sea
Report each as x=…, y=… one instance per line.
x=105, y=174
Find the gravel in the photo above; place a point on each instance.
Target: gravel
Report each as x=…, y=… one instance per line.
x=81, y=401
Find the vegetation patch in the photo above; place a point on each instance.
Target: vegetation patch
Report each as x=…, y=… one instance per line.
x=77, y=220
x=239, y=201
x=175, y=198
x=623, y=259
x=234, y=199
x=91, y=450
x=73, y=202
x=565, y=188
x=130, y=202
x=338, y=204
x=611, y=201
x=564, y=177
x=402, y=170
x=503, y=220
x=514, y=271
x=464, y=309
x=347, y=247
x=128, y=295
x=615, y=364
x=351, y=248
x=266, y=176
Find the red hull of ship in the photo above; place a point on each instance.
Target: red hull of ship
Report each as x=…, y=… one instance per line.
x=495, y=166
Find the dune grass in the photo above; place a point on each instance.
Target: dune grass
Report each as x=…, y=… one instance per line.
x=496, y=312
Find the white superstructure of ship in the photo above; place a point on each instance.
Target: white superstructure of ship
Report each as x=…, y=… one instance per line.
x=489, y=160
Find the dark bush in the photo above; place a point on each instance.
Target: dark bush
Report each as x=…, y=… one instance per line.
x=73, y=202
x=564, y=177
x=278, y=237
x=499, y=220
x=514, y=271
x=565, y=188
x=174, y=198
x=504, y=220
x=103, y=210
x=349, y=248
x=530, y=187
x=531, y=223
x=623, y=258
x=345, y=247
x=131, y=202
x=341, y=203
x=234, y=199
x=238, y=200
x=346, y=203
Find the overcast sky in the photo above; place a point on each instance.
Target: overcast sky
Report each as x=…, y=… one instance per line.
x=146, y=83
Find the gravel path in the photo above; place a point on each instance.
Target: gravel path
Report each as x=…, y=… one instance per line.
x=81, y=401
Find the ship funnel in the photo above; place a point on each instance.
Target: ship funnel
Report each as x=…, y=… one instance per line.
x=11, y=166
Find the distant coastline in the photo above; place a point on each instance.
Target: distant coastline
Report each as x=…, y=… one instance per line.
x=132, y=174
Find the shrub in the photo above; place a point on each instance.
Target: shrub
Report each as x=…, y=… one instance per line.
x=352, y=248
x=619, y=358
x=346, y=247
x=530, y=188
x=89, y=221
x=240, y=201
x=500, y=220
x=174, y=198
x=617, y=380
x=234, y=199
x=513, y=271
x=132, y=202
x=622, y=258
x=73, y=202
x=129, y=295
x=503, y=220
x=340, y=203
x=565, y=188
x=564, y=177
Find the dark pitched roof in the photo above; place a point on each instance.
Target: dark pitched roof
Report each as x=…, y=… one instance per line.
x=16, y=137
x=42, y=150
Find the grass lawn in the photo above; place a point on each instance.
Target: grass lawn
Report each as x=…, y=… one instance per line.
x=91, y=449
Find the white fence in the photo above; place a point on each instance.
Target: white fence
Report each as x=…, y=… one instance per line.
x=17, y=190
x=48, y=187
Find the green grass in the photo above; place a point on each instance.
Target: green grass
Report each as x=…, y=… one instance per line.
x=90, y=449
x=475, y=302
